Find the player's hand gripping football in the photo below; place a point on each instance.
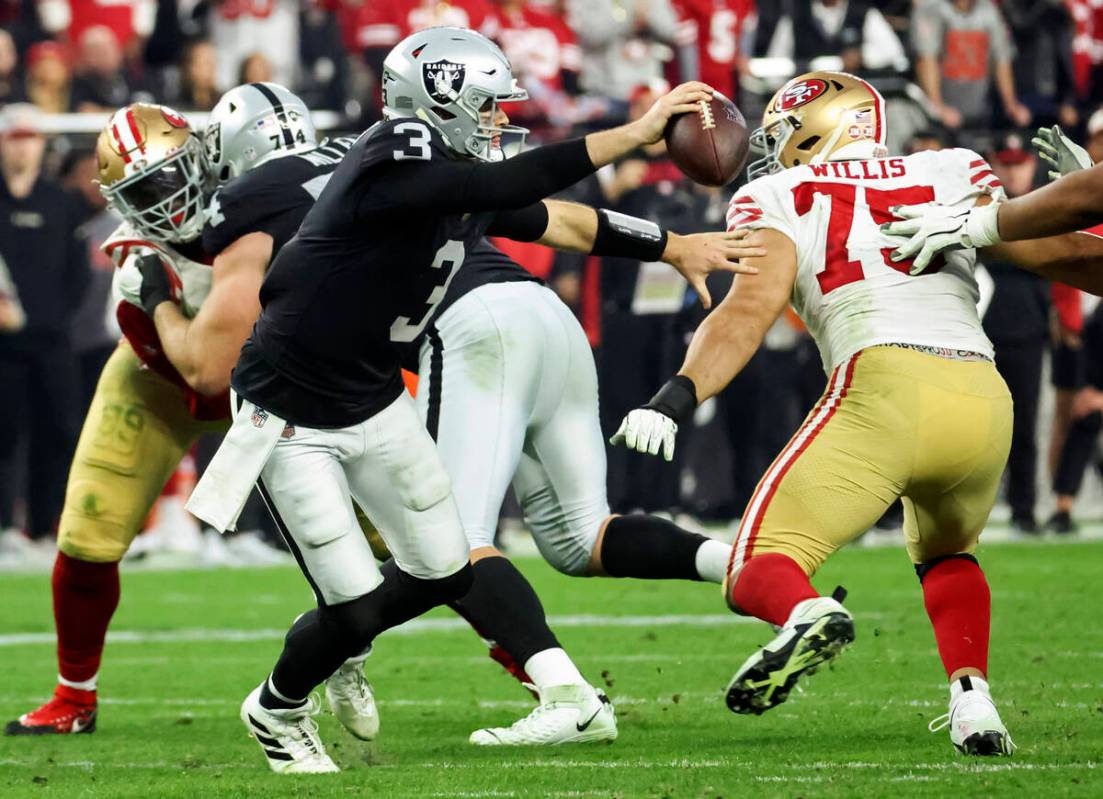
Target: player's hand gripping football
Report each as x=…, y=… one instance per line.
x=697, y=255
x=932, y=229
x=1060, y=152
x=682, y=99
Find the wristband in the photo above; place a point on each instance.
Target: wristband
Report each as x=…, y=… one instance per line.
x=676, y=399
x=982, y=225
x=623, y=236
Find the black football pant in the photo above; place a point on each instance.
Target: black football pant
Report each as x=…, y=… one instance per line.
x=1020, y=365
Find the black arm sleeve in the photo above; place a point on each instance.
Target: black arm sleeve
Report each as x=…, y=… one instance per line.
x=466, y=186
x=524, y=224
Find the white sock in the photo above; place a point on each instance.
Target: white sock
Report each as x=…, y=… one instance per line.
x=281, y=697
x=977, y=683
x=553, y=667
x=712, y=560
x=84, y=685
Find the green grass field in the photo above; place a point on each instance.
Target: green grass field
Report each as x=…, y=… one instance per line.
x=189, y=645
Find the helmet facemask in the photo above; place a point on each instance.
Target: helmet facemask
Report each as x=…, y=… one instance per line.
x=486, y=143
x=770, y=142
x=166, y=201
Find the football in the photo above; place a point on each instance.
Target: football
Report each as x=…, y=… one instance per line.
x=711, y=146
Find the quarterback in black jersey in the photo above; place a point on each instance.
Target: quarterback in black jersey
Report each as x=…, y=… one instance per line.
x=321, y=411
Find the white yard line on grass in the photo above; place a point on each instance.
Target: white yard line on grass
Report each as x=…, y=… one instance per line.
x=650, y=765
x=415, y=627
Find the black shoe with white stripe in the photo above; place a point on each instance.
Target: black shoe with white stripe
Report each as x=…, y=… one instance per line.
x=816, y=633
x=288, y=737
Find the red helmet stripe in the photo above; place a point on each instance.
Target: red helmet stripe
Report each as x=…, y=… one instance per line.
x=119, y=142
x=134, y=129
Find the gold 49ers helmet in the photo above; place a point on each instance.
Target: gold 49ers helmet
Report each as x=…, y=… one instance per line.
x=820, y=116
x=152, y=171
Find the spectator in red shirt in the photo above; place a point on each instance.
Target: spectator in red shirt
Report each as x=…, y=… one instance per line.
x=128, y=20
x=546, y=60
x=709, y=37
x=384, y=23
x=378, y=25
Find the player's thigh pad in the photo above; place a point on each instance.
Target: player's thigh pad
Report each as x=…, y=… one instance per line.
x=846, y=464
x=135, y=433
x=480, y=370
x=560, y=481
x=398, y=478
x=305, y=488
x=964, y=436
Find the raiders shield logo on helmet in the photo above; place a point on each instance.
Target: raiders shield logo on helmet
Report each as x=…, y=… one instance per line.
x=443, y=80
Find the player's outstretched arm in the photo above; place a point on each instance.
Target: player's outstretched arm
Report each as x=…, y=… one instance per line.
x=580, y=228
x=421, y=181
x=720, y=348
x=205, y=349
x=1074, y=258
x=1067, y=205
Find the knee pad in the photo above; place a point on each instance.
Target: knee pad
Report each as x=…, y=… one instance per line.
x=92, y=528
x=419, y=477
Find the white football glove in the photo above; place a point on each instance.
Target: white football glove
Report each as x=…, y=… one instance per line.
x=1060, y=152
x=646, y=430
x=932, y=229
x=126, y=283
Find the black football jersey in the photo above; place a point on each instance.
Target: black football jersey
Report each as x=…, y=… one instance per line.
x=375, y=257
x=362, y=276
x=273, y=198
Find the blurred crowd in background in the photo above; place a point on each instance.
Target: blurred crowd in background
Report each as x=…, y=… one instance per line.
x=975, y=73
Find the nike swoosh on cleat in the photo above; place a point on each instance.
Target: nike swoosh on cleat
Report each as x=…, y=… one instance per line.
x=589, y=721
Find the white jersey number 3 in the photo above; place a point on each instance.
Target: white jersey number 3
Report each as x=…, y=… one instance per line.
x=447, y=261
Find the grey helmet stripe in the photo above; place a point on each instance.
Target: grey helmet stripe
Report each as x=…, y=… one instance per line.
x=281, y=115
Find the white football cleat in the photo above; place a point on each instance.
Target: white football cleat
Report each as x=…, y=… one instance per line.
x=288, y=738
x=975, y=724
x=351, y=700
x=566, y=714
x=815, y=633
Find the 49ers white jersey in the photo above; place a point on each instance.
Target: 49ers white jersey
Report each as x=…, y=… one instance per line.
x=191, y=279
x=848, y=291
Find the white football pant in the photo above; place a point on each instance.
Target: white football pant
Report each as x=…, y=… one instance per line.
x=509, y=391
x=390, y=466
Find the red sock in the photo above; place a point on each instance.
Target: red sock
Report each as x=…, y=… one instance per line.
x=85, y=597
x=959, y=606
x=769, y=587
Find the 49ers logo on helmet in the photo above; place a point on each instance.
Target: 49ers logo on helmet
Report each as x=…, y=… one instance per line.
x=800, y=93
x=173, y=118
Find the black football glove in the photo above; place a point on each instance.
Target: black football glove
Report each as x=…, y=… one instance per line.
x=156, y=287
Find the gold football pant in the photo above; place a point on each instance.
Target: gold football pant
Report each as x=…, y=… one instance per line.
x=892, y=423
x=136, y=432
